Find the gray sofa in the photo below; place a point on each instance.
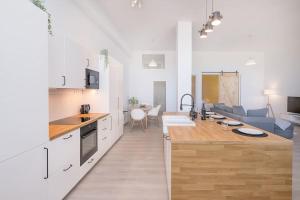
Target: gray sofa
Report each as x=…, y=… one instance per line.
x=255, y=118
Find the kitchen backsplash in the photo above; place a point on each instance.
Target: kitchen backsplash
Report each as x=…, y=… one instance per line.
x=66, y=102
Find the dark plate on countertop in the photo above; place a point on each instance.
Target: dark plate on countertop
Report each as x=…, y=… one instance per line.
x=244, y=134
x=220, y=122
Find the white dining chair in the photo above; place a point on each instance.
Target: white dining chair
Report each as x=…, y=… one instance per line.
x=137, y=115
x=154, y=113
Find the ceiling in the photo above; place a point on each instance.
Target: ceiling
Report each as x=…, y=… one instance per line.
x=153, y=27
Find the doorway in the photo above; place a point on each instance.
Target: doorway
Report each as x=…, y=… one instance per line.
x=159, y=94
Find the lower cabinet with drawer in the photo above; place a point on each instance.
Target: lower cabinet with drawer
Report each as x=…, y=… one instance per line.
x=64, y=165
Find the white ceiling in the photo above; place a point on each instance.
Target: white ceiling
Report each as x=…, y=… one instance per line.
x=154, y=26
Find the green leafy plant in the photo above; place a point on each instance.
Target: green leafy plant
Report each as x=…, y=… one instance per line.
x=41, y=5
x=133, y=101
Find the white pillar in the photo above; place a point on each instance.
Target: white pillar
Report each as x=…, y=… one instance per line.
x=184, y=62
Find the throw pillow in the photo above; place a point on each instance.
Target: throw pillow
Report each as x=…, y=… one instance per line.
x=257, y=113
x=239, y=110
x=228, y=109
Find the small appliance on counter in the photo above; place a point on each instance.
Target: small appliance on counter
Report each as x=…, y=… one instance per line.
x=85, y=109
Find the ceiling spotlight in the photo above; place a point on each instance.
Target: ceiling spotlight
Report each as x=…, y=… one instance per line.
x=216, y=18
x=136, y=3
x=208, y=27
x=203, y=34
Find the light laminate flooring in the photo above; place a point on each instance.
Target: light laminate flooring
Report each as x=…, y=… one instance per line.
x=134, y=170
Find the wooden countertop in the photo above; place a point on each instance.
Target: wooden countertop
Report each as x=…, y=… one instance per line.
x=56, y=131
x=208, y=132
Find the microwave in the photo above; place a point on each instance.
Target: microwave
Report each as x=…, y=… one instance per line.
x=91, y=79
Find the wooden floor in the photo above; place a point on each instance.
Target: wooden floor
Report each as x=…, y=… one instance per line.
x=134, y=170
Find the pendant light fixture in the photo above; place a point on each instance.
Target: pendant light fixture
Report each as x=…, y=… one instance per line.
x=153, y=64
x=203, y=34
x=214, y=19
x=216, y=16
x=208, y=27
x=136, y=3
x=251, y=61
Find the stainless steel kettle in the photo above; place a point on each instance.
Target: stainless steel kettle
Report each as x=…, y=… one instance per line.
x=85, y=108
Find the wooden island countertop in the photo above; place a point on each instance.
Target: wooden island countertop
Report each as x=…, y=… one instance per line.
x=56, y=131
x=206, y=162
x=209, y=132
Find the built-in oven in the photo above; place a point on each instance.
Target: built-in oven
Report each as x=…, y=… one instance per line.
x=92, y=79
x=88, y=142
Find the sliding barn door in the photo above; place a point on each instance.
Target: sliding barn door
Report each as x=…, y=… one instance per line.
x=229, y=89
x=221, y=88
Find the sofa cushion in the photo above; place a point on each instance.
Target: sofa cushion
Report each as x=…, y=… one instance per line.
x=228, y=109
x=239, y=110
x=257, y=113
x=219, y=106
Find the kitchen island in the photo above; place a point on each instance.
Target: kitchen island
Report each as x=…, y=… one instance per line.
x=206, y=162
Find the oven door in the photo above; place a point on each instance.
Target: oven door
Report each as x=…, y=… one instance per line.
x=88, y=145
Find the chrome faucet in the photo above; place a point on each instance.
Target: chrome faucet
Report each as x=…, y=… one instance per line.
x=193, y=114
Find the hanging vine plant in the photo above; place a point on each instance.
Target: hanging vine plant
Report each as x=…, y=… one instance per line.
x=41, y=5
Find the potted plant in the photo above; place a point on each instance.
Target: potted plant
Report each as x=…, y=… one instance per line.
x=133, y=101
x=40, y=4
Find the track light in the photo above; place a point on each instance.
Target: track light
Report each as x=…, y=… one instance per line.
x=216, y=18
x=203, y=34
x=136, y=3
x=208, y=27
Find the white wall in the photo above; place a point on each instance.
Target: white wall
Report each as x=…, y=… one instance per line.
x=252, y=77
x=69, y=19
x=140, y=80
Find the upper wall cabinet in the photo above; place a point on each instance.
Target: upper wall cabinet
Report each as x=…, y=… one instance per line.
x=67, y=63
x=57, y=69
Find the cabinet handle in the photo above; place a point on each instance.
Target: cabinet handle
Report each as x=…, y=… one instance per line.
x=64, y=80
x=92, y=160
x=68, y=137
x=88, y=62
x=168, y=138
x=104, y=138
x=47, y=153
x=104, y=129
x=68, y=168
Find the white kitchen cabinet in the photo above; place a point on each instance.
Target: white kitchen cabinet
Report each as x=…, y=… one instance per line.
x=68, y=61
x=57, y=62
x=104, y=135
x=25, y=176
x=64, y=164
x=76, y=62
x=167, y=157
x=93, y=60
x=64, y=148
x=23, y=78
x=116, y=98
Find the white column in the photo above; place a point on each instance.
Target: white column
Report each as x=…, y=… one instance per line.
x=184, y=62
